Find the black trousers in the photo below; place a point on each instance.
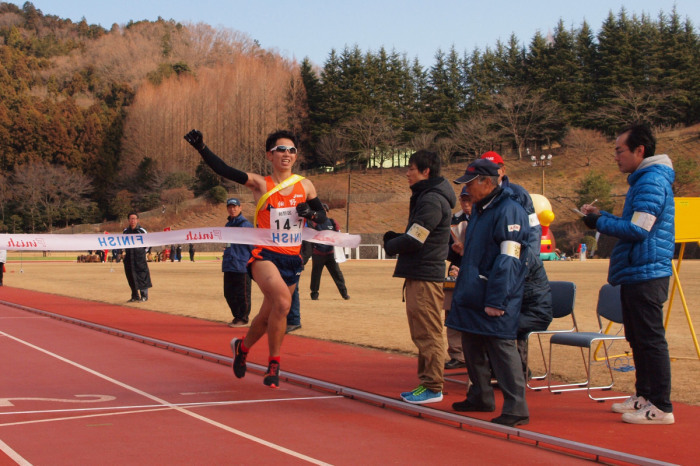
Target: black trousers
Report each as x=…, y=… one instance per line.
x=237, y=293
x=319, y=261
x=642, y=314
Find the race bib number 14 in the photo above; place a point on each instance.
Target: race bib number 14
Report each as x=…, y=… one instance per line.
x=286, y=226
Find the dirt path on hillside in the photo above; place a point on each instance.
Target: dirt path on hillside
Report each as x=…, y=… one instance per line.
x=374, y=316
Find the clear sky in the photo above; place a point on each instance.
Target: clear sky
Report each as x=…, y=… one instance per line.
x=311, y=28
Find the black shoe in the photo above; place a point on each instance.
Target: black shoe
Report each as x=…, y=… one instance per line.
x=238, y=322
x=468, y=406
x=272, y=376
x=454, y=364
x=144, y=299
x=314, y=296
x=239, y=358
x=134, y=300
x=346, y=296
x=511, y=420
x=293, y=327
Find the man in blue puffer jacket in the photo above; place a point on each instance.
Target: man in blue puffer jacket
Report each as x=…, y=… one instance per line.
x=236, y=279
x=641, y=264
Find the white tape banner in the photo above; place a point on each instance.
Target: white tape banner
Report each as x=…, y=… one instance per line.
x=92, y=242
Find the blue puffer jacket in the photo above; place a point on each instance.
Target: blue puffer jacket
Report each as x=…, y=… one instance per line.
x=236, y=256
x=487, y=277
x=640, y=254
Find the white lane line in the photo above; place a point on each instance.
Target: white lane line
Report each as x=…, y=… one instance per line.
x=4, y=402
x=202, y=404
x=16, y=457
x=166, y=403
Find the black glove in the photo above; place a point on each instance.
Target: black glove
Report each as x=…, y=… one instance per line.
x=303, y=210
x=194, y=137
x=389, y=235
x=591, y=220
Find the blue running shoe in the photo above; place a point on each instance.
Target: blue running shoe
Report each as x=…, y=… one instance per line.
x=422, y=395
x=417, y=389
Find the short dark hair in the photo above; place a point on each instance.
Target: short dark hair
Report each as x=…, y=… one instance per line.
x=640, y=135
x=425, y=159
x=280, y=134
x=132, y=213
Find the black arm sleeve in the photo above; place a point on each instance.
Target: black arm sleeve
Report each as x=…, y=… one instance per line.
x=319, y=212
x=220, y=167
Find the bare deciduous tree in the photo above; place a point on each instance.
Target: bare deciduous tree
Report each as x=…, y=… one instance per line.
x=475, y=135
x=372, y=133
x=332, y=148
x=587, y=142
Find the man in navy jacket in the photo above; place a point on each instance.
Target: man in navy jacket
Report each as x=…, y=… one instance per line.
x=641, y=264
x=236, y=279
x=488, y=294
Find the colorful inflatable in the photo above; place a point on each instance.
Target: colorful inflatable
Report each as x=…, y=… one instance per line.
x=544, y=212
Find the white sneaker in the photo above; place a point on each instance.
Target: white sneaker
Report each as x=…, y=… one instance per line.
x=649, y=414
x=630, y=405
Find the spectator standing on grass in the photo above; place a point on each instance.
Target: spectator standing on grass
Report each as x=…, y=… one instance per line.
x=178, y=250
x=284, y=201
x=323, y=255
x=422, y=250
x=237, y=282
x=3, y=259
x=641, y=264
x=191, y=251
x=135, y=263
x=536, y=308
x=488, y=294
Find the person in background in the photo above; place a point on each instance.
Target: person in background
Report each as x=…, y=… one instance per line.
x=284, y=201
x=422, y=250
x=294, y=316
x=460, y=220
x=191, y=251
x=488, y=294
x=641, y=264
x=178, y=250
x=3, y=259
x=324, y=256
x=135, y=264
x=237, y=283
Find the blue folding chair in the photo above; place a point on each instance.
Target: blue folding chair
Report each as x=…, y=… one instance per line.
x=563, y=300
x=609, y=308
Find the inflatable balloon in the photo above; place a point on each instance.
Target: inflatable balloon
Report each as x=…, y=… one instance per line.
x=545, y=215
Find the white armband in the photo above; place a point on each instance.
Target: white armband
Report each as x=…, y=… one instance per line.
x=643, y=220
x=511, y=248
x=418, y=232
x=534, y=221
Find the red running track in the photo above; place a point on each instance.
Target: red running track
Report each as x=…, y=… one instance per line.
x=149, y=418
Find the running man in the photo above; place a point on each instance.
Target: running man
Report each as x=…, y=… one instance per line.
x=283, y=202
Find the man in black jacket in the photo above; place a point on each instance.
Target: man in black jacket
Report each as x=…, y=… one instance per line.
x=323, y=255
x=135, y=263
x=422, y=250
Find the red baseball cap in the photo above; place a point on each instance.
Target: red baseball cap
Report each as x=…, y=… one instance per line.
x=493, y=157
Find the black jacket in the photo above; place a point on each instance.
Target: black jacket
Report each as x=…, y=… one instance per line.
x=430, y=209
x=135, y=263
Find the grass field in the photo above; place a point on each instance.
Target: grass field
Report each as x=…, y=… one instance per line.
x=373, y=317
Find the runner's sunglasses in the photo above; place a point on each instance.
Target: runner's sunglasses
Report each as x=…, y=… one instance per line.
x=291, y=149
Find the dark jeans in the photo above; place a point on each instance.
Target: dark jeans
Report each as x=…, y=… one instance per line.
x=319, y=261
x=642, y=314
x=237, y=293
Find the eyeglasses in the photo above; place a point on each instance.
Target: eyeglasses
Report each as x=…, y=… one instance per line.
x=291, y=149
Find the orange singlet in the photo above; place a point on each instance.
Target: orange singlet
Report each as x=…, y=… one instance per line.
x=280, y=215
